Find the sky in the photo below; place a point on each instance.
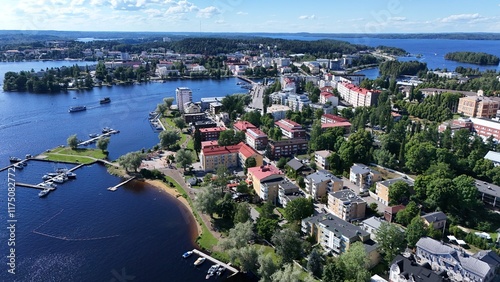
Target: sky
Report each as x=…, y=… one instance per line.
x=319, y=16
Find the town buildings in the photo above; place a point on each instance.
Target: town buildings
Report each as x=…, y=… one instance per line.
x=356, y=96
x=256, y=139
x=363, y=176
x=243, y=125
x=183, y=95
x=265, y=181
x=321, y=182
x=436, y=219
x=478, y=106
x=278, y=111
x=291, y=129
x=286, y=147
x=212, y=157
x=346, y=205
x=287, y=192
x=382, y=189
x=332, y=121
x=405, y=269
x=211, y=133
x=321, y=159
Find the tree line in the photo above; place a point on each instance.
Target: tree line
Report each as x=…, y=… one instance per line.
x=478, y=58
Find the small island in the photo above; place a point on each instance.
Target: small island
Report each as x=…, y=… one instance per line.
x=478, y=58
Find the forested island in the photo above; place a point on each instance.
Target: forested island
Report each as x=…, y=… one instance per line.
x=478, y=58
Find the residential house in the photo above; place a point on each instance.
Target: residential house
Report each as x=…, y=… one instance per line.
x=256, y=138
x=436, y=219
x=405, y=269
x=494, y=157
x=265, y=181
x=382, y=189
x=295, y=166
x=458, y=265
x=363, y=176
x=291, y=129
x=286, y=148
x=346, y=204
x=336, y=235
x=287, y=192
x=478, y=106
x=372, y=225
x=489, y=193
x=321, y=159
x=321, y=182
x=390, y=212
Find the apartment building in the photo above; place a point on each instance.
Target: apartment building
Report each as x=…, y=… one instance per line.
x=486, y=128
x=382, y=189
x=363, y=176
x=243, y=125
x=478, y=106
x=256, y=138
x=265, y=181
x=356, y=96
x=321, y=159
x=212, y=157
x=321, y=182
x=183, y=95
x=291, y=129
x=287, y=192
x=346, y=205
x=211, y=133
x=286, y=148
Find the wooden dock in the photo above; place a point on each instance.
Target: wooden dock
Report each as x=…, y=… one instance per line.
x=92, y=140
x=114, y=188
x=26, y=185
x=228, y=267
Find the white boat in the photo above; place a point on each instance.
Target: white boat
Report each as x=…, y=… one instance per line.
x=60, y=179
x=212, y=270
x=187, y=254
x=43, y=193
x=221, y=270
x=18, y=166
x=70, y=175
x=199, y=261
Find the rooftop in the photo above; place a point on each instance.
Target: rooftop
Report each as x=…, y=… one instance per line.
x=209, y=143
x=334, y=118
x=261, y=172
x=323, y=153
x=246, y=150
x=362, y=169
x=347, y=195
x=256, y=133
x=415, y=272
x=488, y=188
x=289, y=125
x=283, y=142
x=373, y=222
x=357, y=89
x=337, y=225
x=389, y=182
x=321, y=176
x=336, y=124
x=212, y=129
x=295, y=164
x=493, y=156
x=243, y=125
x=485, y=122
x=434, y=217
x=288, y=187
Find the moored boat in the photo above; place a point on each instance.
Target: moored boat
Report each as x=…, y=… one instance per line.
x=187, y=254
x=220, y=270
x=18, y=166
x=199, y=261
x=14, y=159
x=43, y=193
x=105, y=100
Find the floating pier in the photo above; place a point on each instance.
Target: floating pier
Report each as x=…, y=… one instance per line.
x=92, y=140
x=27, y=185
x=228, y=267
x=114, y=188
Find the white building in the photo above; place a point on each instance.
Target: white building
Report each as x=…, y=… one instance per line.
x=183, y=95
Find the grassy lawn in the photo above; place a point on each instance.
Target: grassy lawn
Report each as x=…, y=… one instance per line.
x=206, y=240
x=168, y=121
x=79, y=155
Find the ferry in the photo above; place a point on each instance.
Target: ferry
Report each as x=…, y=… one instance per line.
x=105, y=100
x=199, y=261
x=77, y=109
x=187, y=254
x=43, y=193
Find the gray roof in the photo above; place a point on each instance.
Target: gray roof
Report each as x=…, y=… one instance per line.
x=470, y=264
x=332, y=177
x=419, y=273
x=321, y=176
x=493, y=156
x=360, y=169
x=337, y=225
x=323, y=153
x=295, y=164
x=347, y=195
x=389, y=182
x=434, y=217
x=489, y=256
x=373, y=222
x=288, y=187
x=488, y=188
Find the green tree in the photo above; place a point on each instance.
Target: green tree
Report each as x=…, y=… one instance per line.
x=405, y=216
x=399, y=192
x=168, y=138
x=227, y=137
x=206, y=200
x=314, y=262
x=102, y=143
x=226, y=207
x=267, y=210
x=72, y=142
x=415, y=231
x=250, y=162
x=301, y=182
x=299, y=209
x=267, y=267
x=242, y=213
x=355, y=263
x=131, y=160
x=266, y=227
x=238, y=236
x=419, y=156
x=391, y=240
x=197, y=140
x=179, y=122
x=184, y=157
x=288, y=245
x=247, y=257
x=289, y=273
x=168, y=102
x=333, y=272
x=281, y=162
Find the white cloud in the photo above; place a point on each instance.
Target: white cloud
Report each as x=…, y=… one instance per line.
x=397, y=19
x=307, y=17
x=153, y=12
x=242, y=13
x=208, y=12
x=461, y=18
x=181, y=7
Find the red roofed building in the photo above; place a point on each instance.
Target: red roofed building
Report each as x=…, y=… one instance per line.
x=327, y=88
x=209, y=143
x=345, y=124
x=256, y=138
x=211, y=133
x=243, y=125
x=329, y=118
x=357, y=96
x=265, y=181
x=229, y=156
x=324, y=96
x=291, y=129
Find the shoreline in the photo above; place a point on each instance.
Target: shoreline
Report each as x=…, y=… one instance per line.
x=173, y=193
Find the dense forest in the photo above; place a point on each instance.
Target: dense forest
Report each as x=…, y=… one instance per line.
x=392, y=50
x=478, y=58
x=397, y=68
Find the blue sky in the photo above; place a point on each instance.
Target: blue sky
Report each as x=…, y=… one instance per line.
x=322, y=16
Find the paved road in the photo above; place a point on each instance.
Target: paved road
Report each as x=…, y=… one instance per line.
x=257, y=93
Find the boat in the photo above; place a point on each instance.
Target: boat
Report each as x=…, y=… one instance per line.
x=212, y=270
x=46, y=177
x=93, y=135
x=28, y=156
x=107, y=129
x=199, y=261
x=14, y=159
x=220, y=270
x=77, y=109
x=43, y=193
x=187, y=254
x=60, y=179
x=70, y=175
x=48, y=184
x=18, y=166
x=105, y=100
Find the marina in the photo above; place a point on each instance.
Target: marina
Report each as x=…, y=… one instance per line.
x=105, y=133
x=216, y=261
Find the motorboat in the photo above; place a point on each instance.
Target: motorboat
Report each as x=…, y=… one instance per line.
x=70, y=175
x=43, y=193
x=14, y=159
x=93, y=135
x=212, y=270
x=187, y=254
x=18, y=166
x=220, y=270
x=105, y=100
x=77, y=109
x=199, y=261
x=60, y=179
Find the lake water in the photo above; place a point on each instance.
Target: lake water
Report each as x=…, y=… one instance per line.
x=152, y=228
